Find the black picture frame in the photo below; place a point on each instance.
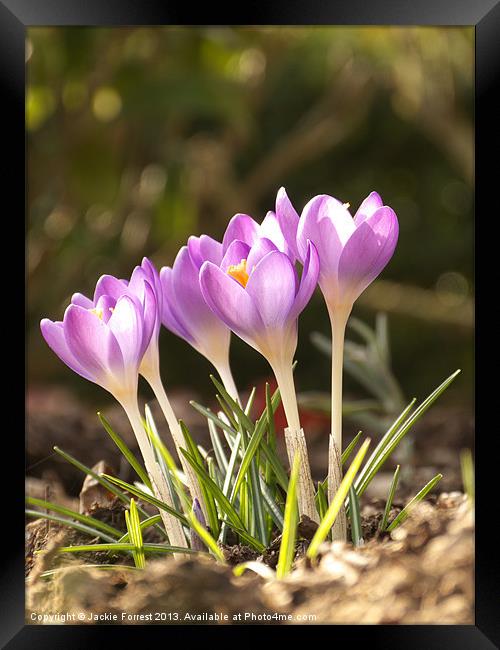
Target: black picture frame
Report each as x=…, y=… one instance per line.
x=484, y=15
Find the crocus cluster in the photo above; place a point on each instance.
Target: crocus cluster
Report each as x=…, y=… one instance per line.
x=248, y=284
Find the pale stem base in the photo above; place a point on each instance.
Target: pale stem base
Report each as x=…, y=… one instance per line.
x=178, y=438
x=296, y=442
x=172, y=525
x=339, y=529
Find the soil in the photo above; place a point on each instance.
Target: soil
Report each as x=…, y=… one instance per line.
x=420, y=573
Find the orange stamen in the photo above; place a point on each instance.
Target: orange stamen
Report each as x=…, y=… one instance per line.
x=239, y=272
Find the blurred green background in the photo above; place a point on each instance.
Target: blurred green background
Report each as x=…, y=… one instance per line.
x=140, y=137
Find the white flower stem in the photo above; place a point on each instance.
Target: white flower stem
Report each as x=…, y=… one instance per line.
x=295, y=440
x=224, y=372
x=172, y=525
x=156, y=384
x=338, y=319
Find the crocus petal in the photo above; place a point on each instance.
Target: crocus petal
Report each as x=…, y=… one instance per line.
x=367, y=252
x=150, y=318
x=145, y=281
x=237, y=251
x=288, y=220
x=328, y=224
x=197, y=317
x=169, y=315
x=104, y=307
x=136, y=284
x=53, y=333
x=83, y=301
x=271, y=229
x=230, y=302
x=240, y=227
x=258, y=251
x=153, y=277
x=204, y=249
x=127, y=327
x=93, y=345
x=271, y=285
x=108, y=285
x=308, y=281
x=372, y=202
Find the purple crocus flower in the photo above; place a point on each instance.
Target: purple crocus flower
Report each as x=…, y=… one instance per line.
x=243, y=228
x=105, y=341
x=256, y=292
x=144, y=278
x=185, y=311
x=352, y=252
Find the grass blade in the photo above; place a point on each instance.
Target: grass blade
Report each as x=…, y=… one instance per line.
x=233, y=405
x=85, y=519
x=104, y=567
x=250, y=401
x=152, y=431
x=321, y=499
x=146, y=523
x=257, y=503
x=277, y=467
x=383, y=443
x=120, y=443
x=82, y=528
x=411, y=504
x=229, y=478
x=118, y=548
x=224, y=504
x=135, y=535
x=215, y=491
x=103, y=481
x=227, y=411
x=220, y=454
x=231, y=466
x=348, y=450
x=368, y=473
x=248, y=455
x=207, y=413
x=390, y=498
x=355, y=518
x=148, y=498
x=328, y=520
x=467, y=471
x=208, y=499
x=259, y=568
x=288, y=539
x=272, y=507
x=86, y=470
